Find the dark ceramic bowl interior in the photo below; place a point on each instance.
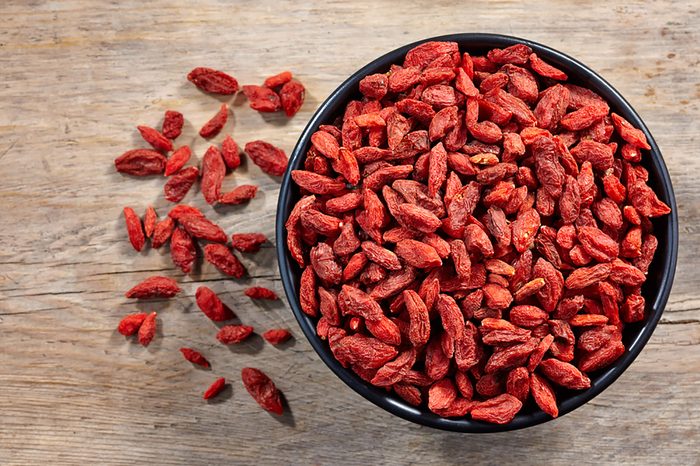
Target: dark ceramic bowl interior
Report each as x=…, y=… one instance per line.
x=656, y=290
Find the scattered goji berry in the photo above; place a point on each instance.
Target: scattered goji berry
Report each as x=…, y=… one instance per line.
x=215, y=388
x=194, y=357
x=213, y=81
x=262, y=389
x=131, y=323
x=172, y=124
x=147, y=330
x=212, y=127
x=154, y=287
x=277, y=336
x=259, y=292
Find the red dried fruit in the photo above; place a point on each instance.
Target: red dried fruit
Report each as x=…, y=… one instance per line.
x=182, y=250
x=140, y=162
x=230, y=153
x=277, y=336
x=177, y=160
x=239, y=195
x=518, y=383
x=131, y=323
x=210, y=304
x=172, y=124
x=262, y=389
x=278, y=79
x=147, y=330
x=234, y=334
x=134, y=229
x=162, y=232
x=212, y=127
x=213, y=81
x=202, y=228
x=149, y=221
x=498, y=410
x=292, y=97
x=179, y=184
x=272, y=160
x=262, y=99
x=247, y=242
x=155, y=139
x=629, y=133
x=543, y=395
x=215, y=388
x=259, y=292
x=221, y=257
x=194, y=357
x=154, y=287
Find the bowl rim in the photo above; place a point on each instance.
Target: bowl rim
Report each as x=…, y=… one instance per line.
x=330, y=107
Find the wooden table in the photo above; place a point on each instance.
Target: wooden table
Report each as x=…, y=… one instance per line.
x=77, y=76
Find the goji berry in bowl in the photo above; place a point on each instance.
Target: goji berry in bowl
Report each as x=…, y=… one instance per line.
x=447, y=255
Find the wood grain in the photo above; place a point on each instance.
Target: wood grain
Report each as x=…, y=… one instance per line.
x=78, y=76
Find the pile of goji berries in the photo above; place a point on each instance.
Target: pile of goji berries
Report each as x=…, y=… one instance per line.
x=474, y=231
x=186, y=225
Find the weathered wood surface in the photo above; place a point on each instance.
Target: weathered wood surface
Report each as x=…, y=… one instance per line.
x=77, y=76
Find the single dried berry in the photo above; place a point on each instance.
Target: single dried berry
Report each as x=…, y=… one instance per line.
x=262, y=389
x=262, y=99
x=155, y=139
x=212, y=127
x=230, y=153
x=154, y=287
x=162, y=232
x=213, y=81
x=277, y=336
x=247, y=242
x=239, y=195
x=292, y=97
x=147, y=330
x=131, y=323
x=179, y=184
x=149, y=221
x=172, y=124
x=134, y=228
x=194, y=357
x=278, y=79
x=215, y=388
x=498, y=410
x=140, y=162
x=201, y=227
x=233, y=334
x=177, y=160
x=543, y=395
x=221, y=257
x=182, y=250
x=210, y=304
x=272, y=160
x=259, y=292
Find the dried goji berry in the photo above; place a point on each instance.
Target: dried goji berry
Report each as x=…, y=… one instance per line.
x=177, y=160
x=262, y=99
x=215, y=388
x=272, y=160
x=213, y=81
x=233, y=334
x=239, y=195
x=179, y=184
x=131, y=323
x=140, y=162
x=230, y=153
x=277, y=336
x=172, y=124
x=221, y=257
x=262, y=389
x=194, y=357
x=182, y=250
x=210, y=304
x=259, y=292
x=134, y=228
x=154, y=287
x=212, y=127
x=147, y=330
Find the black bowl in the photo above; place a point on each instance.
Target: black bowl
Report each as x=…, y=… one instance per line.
x=655, y=291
